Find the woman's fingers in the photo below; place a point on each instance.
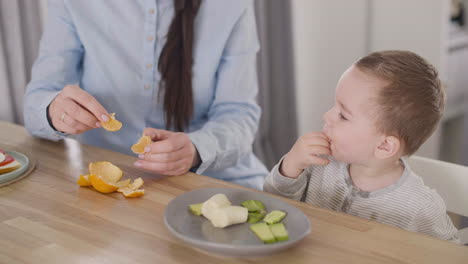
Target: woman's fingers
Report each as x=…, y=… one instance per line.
x=74, y=111
x=169, y=142
x=80, y=114
x=166, y=168
x=87, y=101
x=166, y=156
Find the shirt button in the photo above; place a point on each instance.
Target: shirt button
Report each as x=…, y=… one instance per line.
x=151, y=11
x=150, y=38
x=148, y=66
x=146, y=86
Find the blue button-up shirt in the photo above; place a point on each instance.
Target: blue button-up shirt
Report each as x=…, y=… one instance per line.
x=111, y=50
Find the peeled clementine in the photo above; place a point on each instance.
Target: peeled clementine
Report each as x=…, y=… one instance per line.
x=139, y=147
x=113, y=124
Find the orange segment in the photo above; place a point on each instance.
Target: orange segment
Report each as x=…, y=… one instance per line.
x=134, y=194
x=83, y=181
x=113, y=124
x=101, y=185
x=139, y=147
x=106, y=170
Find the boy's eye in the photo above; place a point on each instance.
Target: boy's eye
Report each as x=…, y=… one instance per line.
x=343, y=117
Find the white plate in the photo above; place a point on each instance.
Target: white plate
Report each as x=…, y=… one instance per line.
x=236, y=240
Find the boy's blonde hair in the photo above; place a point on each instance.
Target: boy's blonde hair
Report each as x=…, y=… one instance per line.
x=411, y=103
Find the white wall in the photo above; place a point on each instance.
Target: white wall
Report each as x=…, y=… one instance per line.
x=329, y=36
x=43, y=10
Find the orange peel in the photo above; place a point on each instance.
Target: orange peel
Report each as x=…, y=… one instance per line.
x=132, y=187
x=139, y=147
x=83, y=181
x=105, y=178
x=102, y=185
x=113, y=124
x=107, y=170
x=132, y=190
x=134, y=194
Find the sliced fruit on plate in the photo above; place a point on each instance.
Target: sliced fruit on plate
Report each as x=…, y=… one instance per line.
x=263, y=232
x=254, y=206
x=7, y=163
x=274, y=216
x=279, y=231
x=113, y=124
x=196, y=208
x=255, y=217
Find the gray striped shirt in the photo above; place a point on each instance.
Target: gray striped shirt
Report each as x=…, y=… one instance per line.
x=407, y=204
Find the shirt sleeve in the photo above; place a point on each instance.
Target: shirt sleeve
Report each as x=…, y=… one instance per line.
x=58, y=64
x=434, y=221
x=278, y=184
x=234, y=114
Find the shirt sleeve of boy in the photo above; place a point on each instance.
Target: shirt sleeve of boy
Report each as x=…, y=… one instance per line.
x=433, y=220
x=284, y=186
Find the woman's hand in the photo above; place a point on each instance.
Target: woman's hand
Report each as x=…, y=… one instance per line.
x=75, y=111
x=304, y=154
x=172, y=153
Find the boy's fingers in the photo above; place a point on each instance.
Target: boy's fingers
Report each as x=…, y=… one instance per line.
x=319, y=150
x=318, y=160
x=317, y=141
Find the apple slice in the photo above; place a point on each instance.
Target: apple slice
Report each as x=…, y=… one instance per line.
x=7, y=160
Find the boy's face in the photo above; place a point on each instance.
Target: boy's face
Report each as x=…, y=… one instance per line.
x=351, y=123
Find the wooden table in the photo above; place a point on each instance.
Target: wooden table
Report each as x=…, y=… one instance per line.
x=48, y=218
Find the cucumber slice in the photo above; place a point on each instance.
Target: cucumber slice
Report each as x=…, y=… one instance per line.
x=254, y=206
x=196, y=208
x=279, y=231
x=263, y=232
x=274, y=217
x=255, y=217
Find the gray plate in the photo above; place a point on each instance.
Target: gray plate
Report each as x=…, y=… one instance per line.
x=23, y=160
x=236, y=240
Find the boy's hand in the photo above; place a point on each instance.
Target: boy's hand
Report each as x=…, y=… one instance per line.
x=304, y=154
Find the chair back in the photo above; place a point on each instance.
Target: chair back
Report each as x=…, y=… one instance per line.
x=449, y=180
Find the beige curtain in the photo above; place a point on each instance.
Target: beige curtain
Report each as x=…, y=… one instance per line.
x=20, y=31
x=278, y=127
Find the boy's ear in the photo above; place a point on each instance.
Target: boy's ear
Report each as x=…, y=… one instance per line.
x=388, y=147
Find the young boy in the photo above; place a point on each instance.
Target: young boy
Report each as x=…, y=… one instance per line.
x=386, y=105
